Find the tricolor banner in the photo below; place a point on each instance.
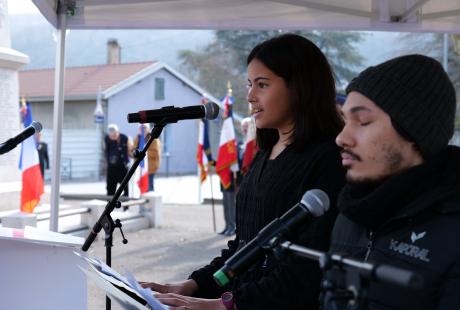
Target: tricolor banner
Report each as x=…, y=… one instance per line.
x=32, y=179
x=143, y=176
x=227, y=159
x=203, y=154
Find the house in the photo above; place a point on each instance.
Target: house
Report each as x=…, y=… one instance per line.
x=123, y=89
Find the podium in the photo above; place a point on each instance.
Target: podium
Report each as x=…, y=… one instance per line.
x=39, y=270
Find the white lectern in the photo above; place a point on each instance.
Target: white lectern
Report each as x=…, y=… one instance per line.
x=39, y=270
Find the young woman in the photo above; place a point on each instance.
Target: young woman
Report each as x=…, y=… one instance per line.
x=291, y=92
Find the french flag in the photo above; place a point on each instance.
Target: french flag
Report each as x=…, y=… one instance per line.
x=203, y=154
x=32, y=179
x=227, y=158
x=143, y=177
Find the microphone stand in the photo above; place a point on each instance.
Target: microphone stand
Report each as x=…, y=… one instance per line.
x=105, y=221
x=347, y=281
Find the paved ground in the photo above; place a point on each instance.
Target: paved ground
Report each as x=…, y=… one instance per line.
x=185, y=240
x=167, y=254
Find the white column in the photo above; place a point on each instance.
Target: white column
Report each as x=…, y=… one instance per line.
x=10, y=62
x=58, y=115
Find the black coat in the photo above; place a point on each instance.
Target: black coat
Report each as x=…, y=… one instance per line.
x=271, y=188
x=411, y=221
x=116, y=151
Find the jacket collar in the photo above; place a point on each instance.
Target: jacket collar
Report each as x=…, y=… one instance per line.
x=418, y=189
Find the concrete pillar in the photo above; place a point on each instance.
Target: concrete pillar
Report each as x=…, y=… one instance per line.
x=96, y=208
x=153, y=209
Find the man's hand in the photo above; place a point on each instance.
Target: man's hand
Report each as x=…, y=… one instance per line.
x=179, y=302
x=186, y=288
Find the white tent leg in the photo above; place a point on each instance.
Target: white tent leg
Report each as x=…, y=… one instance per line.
x=58, y=114
x=445, y=54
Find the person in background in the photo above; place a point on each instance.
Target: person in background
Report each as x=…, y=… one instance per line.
x=42, y=148
x=116, y=148
x=291, y=92
x=153, y=153
x=401, y=204
x=229, y=205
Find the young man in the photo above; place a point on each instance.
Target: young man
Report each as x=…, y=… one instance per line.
x=401, y=204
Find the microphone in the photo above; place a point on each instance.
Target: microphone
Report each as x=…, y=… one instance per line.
x=27, y=132
x=172, y=114
x=314, y=203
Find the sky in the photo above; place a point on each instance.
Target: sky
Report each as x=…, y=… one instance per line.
x=21, y=7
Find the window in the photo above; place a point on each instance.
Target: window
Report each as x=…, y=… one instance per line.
x=159, y=88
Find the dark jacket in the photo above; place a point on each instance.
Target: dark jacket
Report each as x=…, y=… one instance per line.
x=116, y=151
x=43, y=158
x=411, y=221
x=271, y=188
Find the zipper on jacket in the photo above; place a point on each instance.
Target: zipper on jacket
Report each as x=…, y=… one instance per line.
x=370, y=243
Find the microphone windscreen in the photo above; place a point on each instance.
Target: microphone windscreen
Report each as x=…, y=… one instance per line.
x=316, y=201
x=37, y=126
x=212, y=110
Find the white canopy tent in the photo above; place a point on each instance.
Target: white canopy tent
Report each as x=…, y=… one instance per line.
x=388, y=15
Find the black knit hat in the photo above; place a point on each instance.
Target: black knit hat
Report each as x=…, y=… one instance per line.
x=416, y=93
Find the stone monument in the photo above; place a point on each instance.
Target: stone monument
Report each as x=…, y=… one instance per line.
x=10, y=125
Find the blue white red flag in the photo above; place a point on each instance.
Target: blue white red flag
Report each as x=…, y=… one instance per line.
x=32, y=179
x=203, y=154
x=227, y=158
x=143, y=176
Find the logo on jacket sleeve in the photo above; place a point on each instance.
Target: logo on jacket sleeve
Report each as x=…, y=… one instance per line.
x=414, y=237
x=411, y=249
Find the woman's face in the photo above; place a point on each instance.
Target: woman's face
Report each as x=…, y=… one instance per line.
x=268, y=97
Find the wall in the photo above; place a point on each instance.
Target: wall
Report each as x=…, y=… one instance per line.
x=77, y=114
x=81, y=152
x=179, y=139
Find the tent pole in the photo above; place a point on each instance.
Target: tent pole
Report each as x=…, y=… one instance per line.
x=58, y=114
x=445, y=54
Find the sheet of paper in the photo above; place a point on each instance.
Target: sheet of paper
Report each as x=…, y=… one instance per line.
x=104, y=273
x=115, y=294
x=146, y=293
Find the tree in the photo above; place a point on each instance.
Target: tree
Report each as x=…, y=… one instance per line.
x=432, y=44
x=225, y=59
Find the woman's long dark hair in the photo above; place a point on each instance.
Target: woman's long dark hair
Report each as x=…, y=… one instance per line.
x=311, y=87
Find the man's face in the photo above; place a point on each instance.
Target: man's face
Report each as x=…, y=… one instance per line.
x=372, y=149
x=113, y=135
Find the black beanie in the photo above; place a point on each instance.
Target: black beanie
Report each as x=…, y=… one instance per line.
x=416, y=93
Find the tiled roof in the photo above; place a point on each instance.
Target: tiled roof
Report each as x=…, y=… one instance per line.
x=79, y=81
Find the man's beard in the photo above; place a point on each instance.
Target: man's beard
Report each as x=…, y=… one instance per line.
x=393, y=159
x=366, y=180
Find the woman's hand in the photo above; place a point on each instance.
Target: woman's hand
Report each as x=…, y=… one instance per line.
x=179, y=302
x=186, y=288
